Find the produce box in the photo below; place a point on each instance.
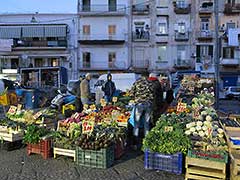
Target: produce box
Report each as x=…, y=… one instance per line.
x=233, y=138
x=64, y=152
x=102, y=158
x=44, y=148
x=11, y=137
x=209, y=155
x=171, y=163
x=235, y=166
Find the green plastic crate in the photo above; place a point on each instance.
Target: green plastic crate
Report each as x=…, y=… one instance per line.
x=209, y=155
x=102, y=158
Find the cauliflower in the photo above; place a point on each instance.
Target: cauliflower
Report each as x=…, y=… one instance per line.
x=201, y=133
x=199, y=123
x=204, y=128
x=209, y=118
x=203, y=113
x=220, y=131
x=188, y=132
x=192, y=129
x=189, y=125
x=198, y=128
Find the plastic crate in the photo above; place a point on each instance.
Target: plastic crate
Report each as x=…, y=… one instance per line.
x=102, y=158
x=44, y=148
x=209, y=155
x=157, y=161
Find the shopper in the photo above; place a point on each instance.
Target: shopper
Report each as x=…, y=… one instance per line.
x=85, y=89
x=142, y=93
x=77, y=92
x=157, y=98
x=109, y=88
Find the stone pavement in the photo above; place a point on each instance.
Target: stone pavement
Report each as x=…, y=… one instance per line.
x=16, y=165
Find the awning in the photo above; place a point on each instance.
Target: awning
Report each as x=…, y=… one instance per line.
x=56, y=31
x=9, y=32
x=33, y=31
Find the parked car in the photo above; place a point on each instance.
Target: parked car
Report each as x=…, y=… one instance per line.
x=232, y=92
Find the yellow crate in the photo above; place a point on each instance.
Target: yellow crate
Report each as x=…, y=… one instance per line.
x=66, y=107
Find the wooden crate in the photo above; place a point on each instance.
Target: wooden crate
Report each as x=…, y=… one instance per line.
x=235, y=166
x=201, y=169
x=10, y=137
x=64, y=152
x=233, y=132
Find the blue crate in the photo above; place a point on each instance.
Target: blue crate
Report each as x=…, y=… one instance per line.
x=157, y=161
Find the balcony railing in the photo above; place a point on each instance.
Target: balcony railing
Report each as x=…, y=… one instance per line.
x=181, y=36
x=230, y=62
x=205, y=35
x=183, y=63
x=183, y=8
x=206, y=10
x=140, y=9
x=90, y=9
x=37, y=44
x=141, y=36
x=97, y=37
x=232, y=8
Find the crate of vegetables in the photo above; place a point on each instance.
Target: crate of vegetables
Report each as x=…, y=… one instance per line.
x=102, y=158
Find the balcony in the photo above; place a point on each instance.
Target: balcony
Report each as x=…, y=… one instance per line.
x=232, y=8
x=230, y=62
x=102, y=10
x=99, y=39
x=138, y=37
x=182, y=8
x=39, y=45
x=140, y=9
x=181, y=36
x=206, y=10
x=183, y=64
x=205, y=35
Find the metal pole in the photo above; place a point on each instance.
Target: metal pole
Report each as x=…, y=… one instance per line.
x=216, y=55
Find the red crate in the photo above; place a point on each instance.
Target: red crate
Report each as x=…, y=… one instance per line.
x=119, y=148
x=44, y=148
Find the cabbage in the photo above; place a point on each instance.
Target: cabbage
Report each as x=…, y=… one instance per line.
x=209, y=118
x=199, y=123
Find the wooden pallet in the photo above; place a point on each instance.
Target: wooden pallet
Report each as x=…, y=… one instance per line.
x=235, y=133
x=235, y=166
x=10, y=137
x=64, y=152
x=201, y=169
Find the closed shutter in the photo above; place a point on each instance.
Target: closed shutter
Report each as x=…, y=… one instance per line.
x=56, y=31
x=10, y=32
x=33, y=31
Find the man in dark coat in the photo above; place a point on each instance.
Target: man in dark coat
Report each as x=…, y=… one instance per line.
x=157, y=100
x=109, y=88
x=76, y=91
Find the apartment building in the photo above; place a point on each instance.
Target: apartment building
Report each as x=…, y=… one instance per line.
x=38, y=40
x=229, y=30
x=103, y=35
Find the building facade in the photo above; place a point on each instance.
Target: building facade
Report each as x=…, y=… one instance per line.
x=37, y=40
x=103, y=35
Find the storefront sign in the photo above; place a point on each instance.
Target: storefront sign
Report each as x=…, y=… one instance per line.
x=87, y=127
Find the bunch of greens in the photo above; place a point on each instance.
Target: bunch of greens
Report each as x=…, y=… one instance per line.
x=182, y=119
x=159, y=140
x=34, y=134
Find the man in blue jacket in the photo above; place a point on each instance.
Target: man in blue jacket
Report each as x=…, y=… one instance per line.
x=109, y=88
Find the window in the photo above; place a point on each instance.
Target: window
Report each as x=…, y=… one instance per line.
x=86, y=29
x=181, y=4
x=162, y=3
x=162, y=54
x=230, y=25
x=112, y=29
x=14, y=63
x=204, y=53
x=162, y=28
x=228, y=53
x=38, y=62
x=55, y=62
x=204, y=24
x=181, y=53
x=112, y=5
x=86, y=60
x=111, y=59
x=181, y=27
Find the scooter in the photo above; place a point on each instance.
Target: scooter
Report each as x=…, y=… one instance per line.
x=62, y=99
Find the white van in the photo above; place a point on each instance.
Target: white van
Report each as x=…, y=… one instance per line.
x=123, y=81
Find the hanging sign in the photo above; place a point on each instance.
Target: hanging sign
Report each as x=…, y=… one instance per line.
x=181, y=107
x=87, y=127
x=12, y=110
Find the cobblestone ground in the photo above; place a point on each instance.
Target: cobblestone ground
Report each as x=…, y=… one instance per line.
x=16, y=165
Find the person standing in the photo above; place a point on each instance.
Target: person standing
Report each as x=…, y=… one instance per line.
x=77, y=92
x=109, y=88
x=85, y=89
x=157, y=99
x=142, y=94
